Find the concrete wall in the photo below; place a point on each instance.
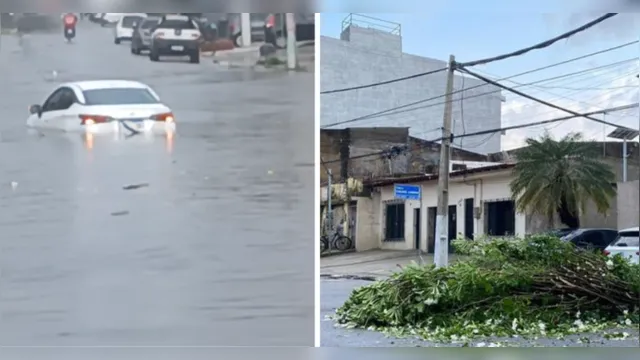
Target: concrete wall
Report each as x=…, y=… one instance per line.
x=491, y=186
x=628, y=198
x=366, y=56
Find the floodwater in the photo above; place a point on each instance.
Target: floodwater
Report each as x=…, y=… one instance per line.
x=216, y=245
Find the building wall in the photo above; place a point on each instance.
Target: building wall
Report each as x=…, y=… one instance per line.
x=340, y=150
x=628, y=198
x=485, y=187
x=367, y=56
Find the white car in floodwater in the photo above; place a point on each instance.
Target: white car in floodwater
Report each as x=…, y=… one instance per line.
x=103, y=107
x=627, y=245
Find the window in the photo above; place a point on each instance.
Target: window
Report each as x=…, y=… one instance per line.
x=630, y=238
x=178, y=25
x=394, y=222
x=119, y=96
x=590, y=239
x=131, y=21
x=61, y=99
x=148, y=24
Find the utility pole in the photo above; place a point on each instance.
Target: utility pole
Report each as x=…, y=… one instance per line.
x=441, y=251
x=329, y=223
x=245, y=29
x=292, y=59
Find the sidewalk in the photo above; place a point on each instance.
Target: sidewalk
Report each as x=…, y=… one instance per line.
x=368, y=265
x=250, y=56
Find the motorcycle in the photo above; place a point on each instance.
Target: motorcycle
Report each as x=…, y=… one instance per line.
x=69, y=33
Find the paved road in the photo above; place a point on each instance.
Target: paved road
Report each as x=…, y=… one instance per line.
x=333, y=294
x=217, y=250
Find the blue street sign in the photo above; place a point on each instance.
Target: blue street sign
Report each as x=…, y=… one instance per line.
x=407, y=192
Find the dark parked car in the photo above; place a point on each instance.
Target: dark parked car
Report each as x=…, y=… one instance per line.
x=597, y=239
x=276, y=28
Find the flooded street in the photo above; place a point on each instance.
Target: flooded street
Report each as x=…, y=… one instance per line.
x=217, y=249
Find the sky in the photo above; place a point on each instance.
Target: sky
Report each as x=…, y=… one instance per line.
x=475, y=35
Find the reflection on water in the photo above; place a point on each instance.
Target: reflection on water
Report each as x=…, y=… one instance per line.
x=88, y=141
x=169, y=142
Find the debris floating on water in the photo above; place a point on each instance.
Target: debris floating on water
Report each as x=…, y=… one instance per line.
x=135, y=186
x=14, y=185
x=120, y=213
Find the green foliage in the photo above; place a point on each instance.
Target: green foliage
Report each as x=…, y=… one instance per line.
x=549, y=172
x=536, y=285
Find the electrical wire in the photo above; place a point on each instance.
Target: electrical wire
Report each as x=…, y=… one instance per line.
x=543, y=89
x=532, y=97
x=541, y=45
x=481, y=85
x=553, y=79
x=403, y=108
x=414, y=76
x=506, y=128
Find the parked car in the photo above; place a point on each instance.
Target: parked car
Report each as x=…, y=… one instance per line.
x=596, y=239
x=141, y=38
x=626, y=244
x=276, y=28
x=257, y=28
x=175, y=35
x=125, y=27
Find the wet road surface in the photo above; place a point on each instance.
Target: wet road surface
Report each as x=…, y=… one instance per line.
x=216, y=250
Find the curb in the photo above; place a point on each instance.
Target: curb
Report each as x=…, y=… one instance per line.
x=349, y=277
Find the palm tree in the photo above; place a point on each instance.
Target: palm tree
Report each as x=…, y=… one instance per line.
x=561, y=177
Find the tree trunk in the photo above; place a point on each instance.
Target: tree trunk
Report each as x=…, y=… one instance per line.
x=567, y=215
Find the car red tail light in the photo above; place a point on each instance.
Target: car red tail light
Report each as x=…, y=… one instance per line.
x=94, y=119
x=166, y=117
x=606, y=252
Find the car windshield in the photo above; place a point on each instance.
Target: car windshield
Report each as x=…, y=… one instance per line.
x=630, y=238
x=148, y=24
x=119, y=96
x=177, y=24
x=130, y=21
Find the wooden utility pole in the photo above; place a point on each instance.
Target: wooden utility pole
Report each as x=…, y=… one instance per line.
x=441, y=251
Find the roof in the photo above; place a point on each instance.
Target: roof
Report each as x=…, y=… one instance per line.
x=106, y=84
x=430, y=177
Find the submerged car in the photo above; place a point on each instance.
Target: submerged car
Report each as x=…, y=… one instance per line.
x=103, y=107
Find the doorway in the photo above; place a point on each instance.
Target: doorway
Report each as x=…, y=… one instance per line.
x=416, y=228
x=431, y=228
x=468, y=218
x=452, y=229
x=501, y=218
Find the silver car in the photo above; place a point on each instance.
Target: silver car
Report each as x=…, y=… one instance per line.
x=141, y=39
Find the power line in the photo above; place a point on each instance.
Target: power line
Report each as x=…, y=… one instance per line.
x=498, y=91
x=501, y=129
x=480, y=85
x=541, y=45
x=533, y=98
x=402, y=108
x=384, y=82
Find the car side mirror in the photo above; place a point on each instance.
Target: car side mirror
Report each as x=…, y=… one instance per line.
x=35, y=109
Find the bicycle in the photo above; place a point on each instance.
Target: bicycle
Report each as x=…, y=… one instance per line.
x=337, y=241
